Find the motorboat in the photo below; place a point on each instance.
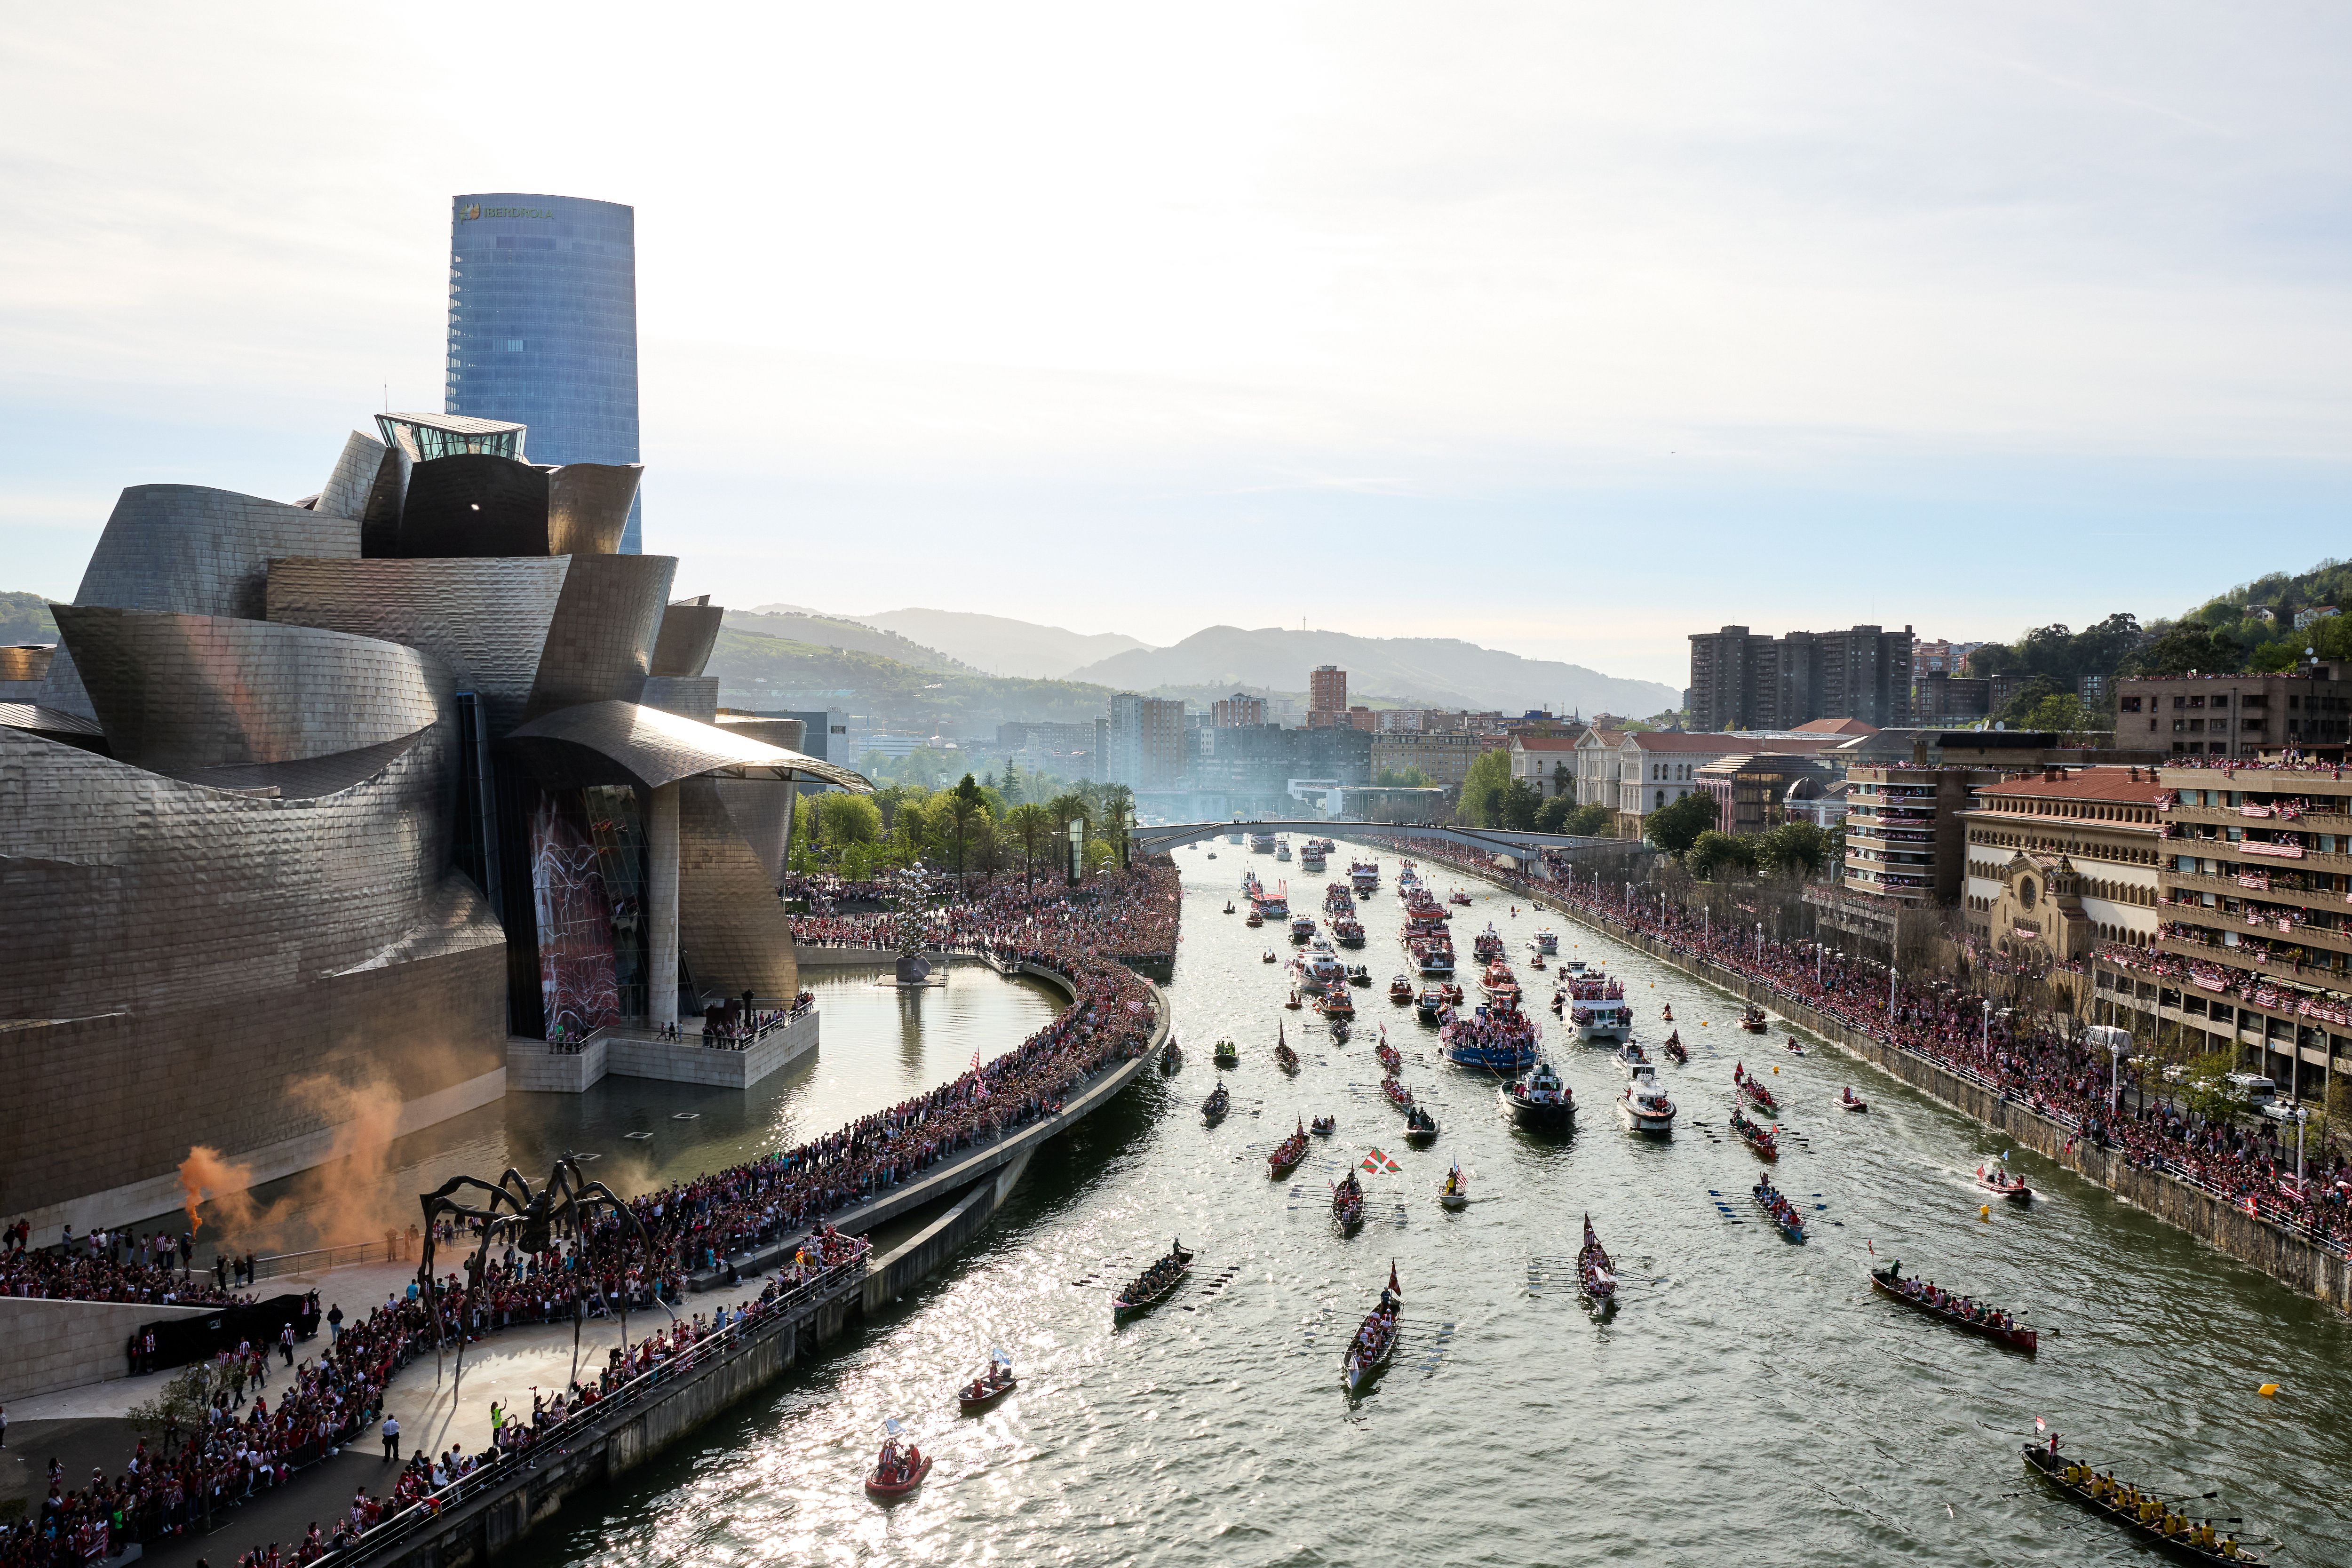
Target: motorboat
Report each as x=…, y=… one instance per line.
x=1644, y=1107
x=1546, y=942
x=1400, y=991
x=1454, y=1192
x=1253, y=920
x=1429, y=1004
x=1269, y=957
x=2003, y=1185
x=1324, y=1126
x=1597, y=1008
x=1420, y=1126
x=1753, y=1021
x=1538, y=1101
x=989, y=1387
x=1674, y=1050
x=1226, y=1054
x=896, y=1471
x=1459, y=897
x=1849, y=1100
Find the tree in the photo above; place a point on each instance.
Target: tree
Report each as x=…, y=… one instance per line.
x=1517, y=806
x=2186, y=646
x=1675, y=827
x=1561, y=814
x=2065, y=713
x=1711, y=852
x=1483, y=788
x=1402, y=778
x=1563, y=781
x=1793, y=849
x=1029, y=833
x=1117, y=811
x=965, y=805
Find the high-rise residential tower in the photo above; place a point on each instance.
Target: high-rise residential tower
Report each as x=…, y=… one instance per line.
x=543, y=326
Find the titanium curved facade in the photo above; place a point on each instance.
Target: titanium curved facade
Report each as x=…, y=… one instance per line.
x=543, y=326
x=327, y=817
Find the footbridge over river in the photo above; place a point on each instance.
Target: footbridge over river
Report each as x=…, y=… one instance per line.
x=1518, y=845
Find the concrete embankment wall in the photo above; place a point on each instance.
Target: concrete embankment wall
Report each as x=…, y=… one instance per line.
x=2290, y=1259
x=46, y=1345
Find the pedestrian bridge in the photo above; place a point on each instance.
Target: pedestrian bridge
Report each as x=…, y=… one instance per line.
x=1493, y=840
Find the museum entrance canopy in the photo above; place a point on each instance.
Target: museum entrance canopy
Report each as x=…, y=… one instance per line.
x=615, y=742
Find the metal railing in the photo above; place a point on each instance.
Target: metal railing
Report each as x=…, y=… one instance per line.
x=397, y=1531
x=399, y=1248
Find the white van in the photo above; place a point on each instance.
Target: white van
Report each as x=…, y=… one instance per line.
x=2252, y=1088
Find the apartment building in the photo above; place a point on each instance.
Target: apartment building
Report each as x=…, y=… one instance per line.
x=2236, y=715
x=1443, y=756
x=1743, y=681
x=1234, y=711
x=2063, y=861
x=1144, y=742
x=1904, y=835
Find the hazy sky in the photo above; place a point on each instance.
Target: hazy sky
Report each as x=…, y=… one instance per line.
x=1568, y=329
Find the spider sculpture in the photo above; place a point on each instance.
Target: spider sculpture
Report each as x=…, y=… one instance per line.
x=534, y=1221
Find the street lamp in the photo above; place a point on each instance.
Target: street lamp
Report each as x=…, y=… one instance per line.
x=2302, y=1115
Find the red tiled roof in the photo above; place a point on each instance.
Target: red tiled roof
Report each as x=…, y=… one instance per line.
x=1836, y=727
x=1546, y=743
x=2114, y=785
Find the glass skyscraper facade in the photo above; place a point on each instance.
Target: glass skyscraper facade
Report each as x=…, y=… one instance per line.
x=543, y=326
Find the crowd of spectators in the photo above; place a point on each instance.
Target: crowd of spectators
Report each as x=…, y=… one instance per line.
x=115, y=1266
x=2038, y=1062
x=1083, y=935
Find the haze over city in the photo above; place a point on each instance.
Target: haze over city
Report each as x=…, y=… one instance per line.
x=1644, y=321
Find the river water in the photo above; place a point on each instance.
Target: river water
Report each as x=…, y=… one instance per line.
x=1748, y=1401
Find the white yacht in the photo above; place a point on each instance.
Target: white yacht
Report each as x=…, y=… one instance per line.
x=1645, y=1107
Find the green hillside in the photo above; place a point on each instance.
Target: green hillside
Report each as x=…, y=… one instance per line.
x=757, y=671
x=25, y=617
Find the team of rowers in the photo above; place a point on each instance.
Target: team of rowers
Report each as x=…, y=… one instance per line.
x=2150, y=1510
x=1965, y=1306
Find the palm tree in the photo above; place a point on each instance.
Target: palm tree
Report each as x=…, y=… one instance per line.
x=1031, y=828
x=965, y=804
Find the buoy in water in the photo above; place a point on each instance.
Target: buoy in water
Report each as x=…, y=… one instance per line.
x=2268, y=1391
x=1776, y=1068
x=1984, y=1213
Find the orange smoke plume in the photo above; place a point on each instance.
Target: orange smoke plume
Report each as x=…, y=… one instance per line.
x=207, y=1174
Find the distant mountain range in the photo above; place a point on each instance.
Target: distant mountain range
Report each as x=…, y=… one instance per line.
x=794, y=624
x=1436, y=672
x=1001, y=645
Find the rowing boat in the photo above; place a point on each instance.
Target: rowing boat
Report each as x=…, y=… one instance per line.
x=2187, y=1546
x=1888, y=1281
x=1369, y=1353
x=1759, y=1139
x=1287, y=1154
x=1595, y=1273
x=1780, y=1211
x=1214, y=1109
x=1145, y=1293
x=1754, y=1089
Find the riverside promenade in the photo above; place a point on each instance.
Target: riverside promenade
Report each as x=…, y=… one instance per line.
x=475, y=1520
x=2292, y=1260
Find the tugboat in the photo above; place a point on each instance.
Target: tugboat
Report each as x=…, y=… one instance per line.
x=1369, y=1353
x=1969, y=1316
x=1778, y=1210
x=1538, y=1101
x=2190, y=1540
x=1287, y=1154
x=1214, y=1109
x=1348, y=1203
x=1754, y=1089
x=1226, y=1054
x=2013, y=1188
x=1596, y=1275
x=1757, y=1137
x=1171, y=1056
x=1454, y=1192
x=1154, y=1284
x=1644, y=1107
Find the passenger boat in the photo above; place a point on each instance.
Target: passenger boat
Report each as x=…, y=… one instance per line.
x=1574, y=965
x=1849, y=1100
x=2119, y=1504
x=1348, y=1203
x=1171, y=1056
x=1324, y=971
x=1369, y=1353
x=1753, y=1021
x=896, y=1472
x=1538, y=1101
x=1997, y=1326
x=1457, y=896
x=1302, y=929
x=1454, y=1192
x=1260, y=843
x=1285, y=1058
x=1324, y=1126
x=1434, y=955
x=989, y=1387
x=1400, y=991
x=1391, y=1063
x=1597, y=1008
x=1631, y=1056
x=1675, y=1050
x=1498, y=982
x=1398, y=1095
x=1310, y=858
x=1154, y=1284
x=1497, y=1037
x=1753, y=1090
x=1420, y=1126
x=1226, y=1054
x=1288, y=1154
x=1347, y=931
x=1755, y=1136
x=1596, y=1275
x=1488, y=945
x=1430, y=1003
x=1336, y=899
x=1282, y=852
x=1338, y=1003
x=1364, y=876
x=1546, y=942
x=1644, y=1107
x=1778, y=1210
x=1214, y=1109
x=2013, y=1188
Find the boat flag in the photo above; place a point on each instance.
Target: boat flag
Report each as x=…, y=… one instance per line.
x=2040, y=1425
x=1394, y=1288
x=891, y=1426
x=1871, y=1245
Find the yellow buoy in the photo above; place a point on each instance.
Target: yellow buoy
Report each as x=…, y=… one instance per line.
x=1984, y=1211
x=2268, y=1391
x=1776, y=1068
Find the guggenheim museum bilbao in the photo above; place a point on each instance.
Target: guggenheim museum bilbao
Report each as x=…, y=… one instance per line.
x=351, y=790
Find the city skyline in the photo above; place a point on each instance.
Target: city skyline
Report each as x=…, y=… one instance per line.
x=1601, y=303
